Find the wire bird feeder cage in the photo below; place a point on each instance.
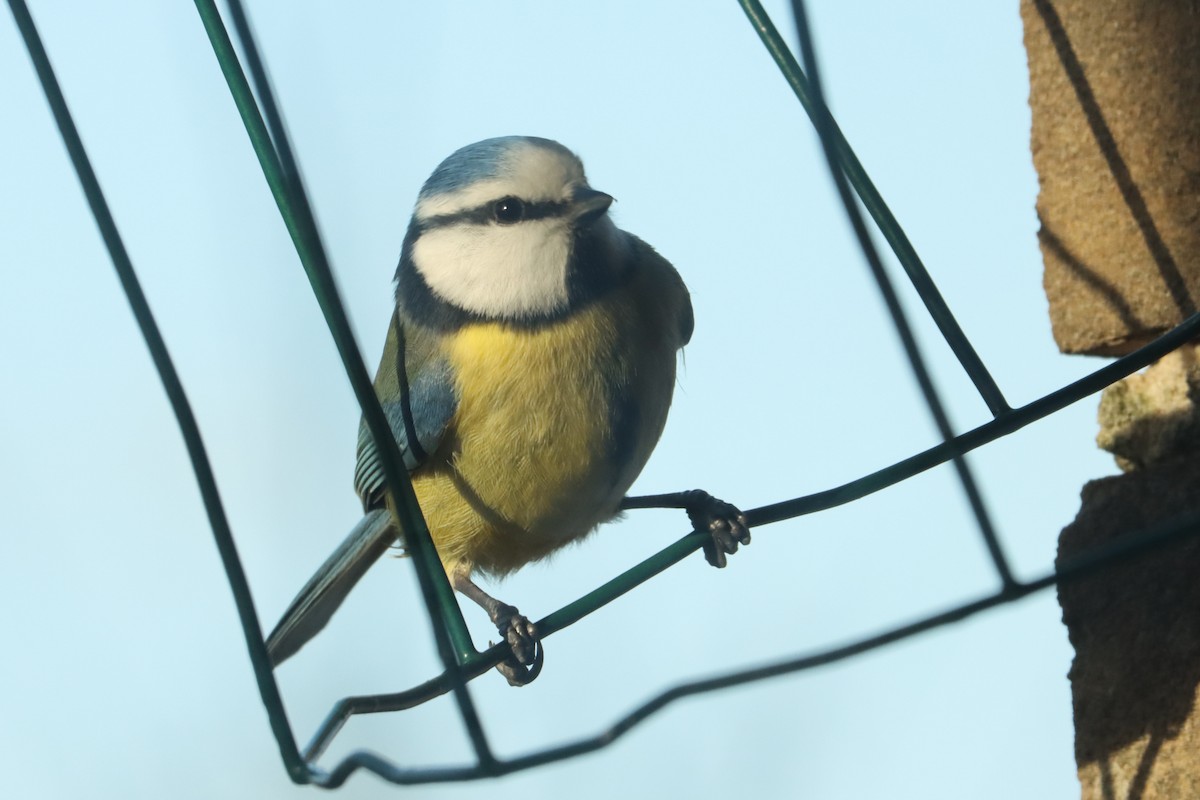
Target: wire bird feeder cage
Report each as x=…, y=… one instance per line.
x=461, y=661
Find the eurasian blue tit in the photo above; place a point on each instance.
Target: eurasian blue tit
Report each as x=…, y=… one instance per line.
x=526, y=376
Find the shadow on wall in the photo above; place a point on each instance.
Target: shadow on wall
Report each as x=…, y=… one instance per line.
x=1164, y=260
x=1137, y=645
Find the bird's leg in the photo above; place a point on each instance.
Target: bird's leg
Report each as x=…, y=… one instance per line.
x=526, y=660
x=726, y=525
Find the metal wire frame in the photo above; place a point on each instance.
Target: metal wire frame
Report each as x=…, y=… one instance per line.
x=460, y=659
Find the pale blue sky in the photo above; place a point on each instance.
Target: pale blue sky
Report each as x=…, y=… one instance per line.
x=124, y=673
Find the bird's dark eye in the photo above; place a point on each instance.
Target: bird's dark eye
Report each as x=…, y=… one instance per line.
x=508, y=210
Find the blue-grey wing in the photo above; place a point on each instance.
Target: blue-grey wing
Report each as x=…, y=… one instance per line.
x=639, y=403
x=416, y=389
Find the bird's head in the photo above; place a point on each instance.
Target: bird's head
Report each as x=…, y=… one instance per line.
x=509, y=229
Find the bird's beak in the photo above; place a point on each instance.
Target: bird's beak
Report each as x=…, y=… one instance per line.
x=588, y=204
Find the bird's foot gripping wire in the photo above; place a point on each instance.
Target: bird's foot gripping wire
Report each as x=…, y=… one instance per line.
x=724, y=522
x=525, y=663
x=521, y=635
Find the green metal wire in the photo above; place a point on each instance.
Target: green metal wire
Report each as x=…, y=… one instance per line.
x=188, y=427
x=460, y=661
x=907, y=256
x=790, y=509
x=302, y=229
x=1120, y=550
x=275, y=157
x=823, y=121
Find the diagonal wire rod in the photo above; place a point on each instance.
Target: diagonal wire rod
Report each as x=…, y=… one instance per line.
x=287, y=183
x=189, y=429
x=1120, y=550
x=905, y=253
x=823, y=122
x=952, y=448
x=777, y=512
x=283, y=172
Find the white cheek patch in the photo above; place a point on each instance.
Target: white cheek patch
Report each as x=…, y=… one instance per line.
x=498, y=271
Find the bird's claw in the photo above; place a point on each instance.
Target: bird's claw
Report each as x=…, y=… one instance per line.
x=518, y=673
x=521, y=635
x=725, y=523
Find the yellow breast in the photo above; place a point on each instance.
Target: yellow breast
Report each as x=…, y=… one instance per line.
x=533, y=421
x=529, y=464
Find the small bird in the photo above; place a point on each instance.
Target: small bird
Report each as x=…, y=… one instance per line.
x=526, y=376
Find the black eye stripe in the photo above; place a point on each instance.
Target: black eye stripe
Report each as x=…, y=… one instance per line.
x=545, y=209
x=484, y=214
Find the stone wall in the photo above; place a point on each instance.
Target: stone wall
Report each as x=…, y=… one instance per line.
x=1115, y=94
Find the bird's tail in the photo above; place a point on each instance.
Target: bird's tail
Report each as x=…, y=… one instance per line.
x=332, y=582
